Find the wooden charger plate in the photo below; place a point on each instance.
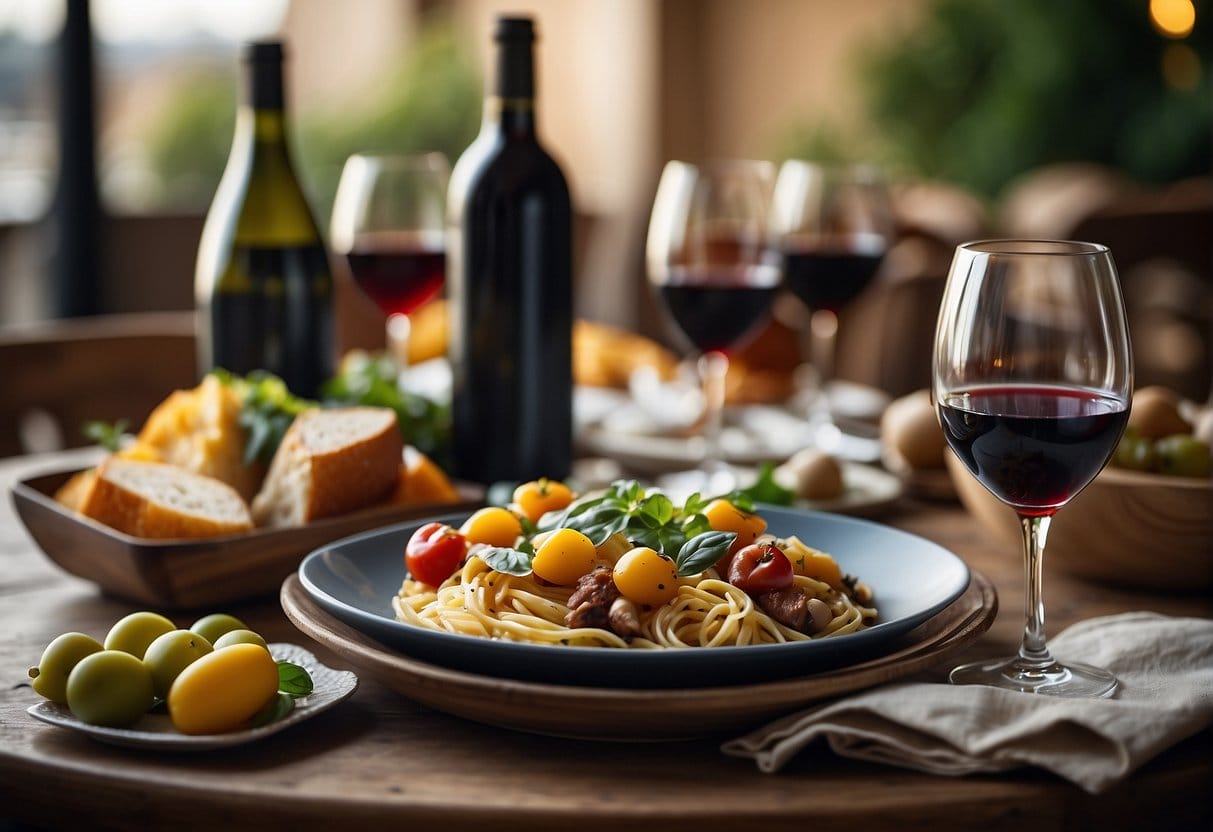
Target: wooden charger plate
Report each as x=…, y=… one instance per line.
x=632, y=714
x=185, y=574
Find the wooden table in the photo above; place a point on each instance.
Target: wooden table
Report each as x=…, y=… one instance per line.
x=379, y=761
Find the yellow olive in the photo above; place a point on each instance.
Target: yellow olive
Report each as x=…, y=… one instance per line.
x=222, y=690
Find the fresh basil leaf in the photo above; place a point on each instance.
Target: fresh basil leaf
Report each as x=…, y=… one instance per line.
x=630, y=490
x=560, y=519
x=695, y=504
x=509, y=561
x=764, y=490
x=672, y=540
x=702, y=551
x=293, y=680
x=645, y=537
x=695, y=524
x=600, y=522
x=274, y=710
x=658, y=508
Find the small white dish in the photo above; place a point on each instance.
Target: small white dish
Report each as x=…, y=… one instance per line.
x=156, y=732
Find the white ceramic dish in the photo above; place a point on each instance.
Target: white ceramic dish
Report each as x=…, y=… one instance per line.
x=156, y=732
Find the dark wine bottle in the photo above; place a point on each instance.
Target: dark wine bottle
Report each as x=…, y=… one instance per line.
x=509, y=277
x=263, y=286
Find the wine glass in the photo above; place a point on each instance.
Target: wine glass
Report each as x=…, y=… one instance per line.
x=388, y=226
x=1032, y=380
x=709, y=258
x=833, y=225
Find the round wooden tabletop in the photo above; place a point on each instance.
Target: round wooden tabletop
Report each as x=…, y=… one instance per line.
x=381, y=759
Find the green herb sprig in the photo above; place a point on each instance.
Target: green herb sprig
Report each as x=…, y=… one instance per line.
x=266, y=411
x=294, y=682
x=106, y=434
x=645, y=518
x=371, y=380
x=764, y=490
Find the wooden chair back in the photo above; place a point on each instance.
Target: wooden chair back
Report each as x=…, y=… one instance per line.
x=59, y=375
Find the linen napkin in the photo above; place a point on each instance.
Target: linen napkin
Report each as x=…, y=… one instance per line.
x=1165, y=669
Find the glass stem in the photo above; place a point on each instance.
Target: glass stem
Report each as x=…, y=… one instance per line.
x=713, y=370
x=1033, y=653
x=399, y=328
x=823, y=328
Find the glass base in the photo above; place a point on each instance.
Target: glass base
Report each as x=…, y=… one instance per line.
x=1054, y=679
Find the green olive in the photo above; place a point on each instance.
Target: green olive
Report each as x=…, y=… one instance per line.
x=110, y=688
x=212, y=626
x=1183, y=455
x=58, y=659
x=136, y=631
x=170, y=654
x=240, y=637
x=1135, y=453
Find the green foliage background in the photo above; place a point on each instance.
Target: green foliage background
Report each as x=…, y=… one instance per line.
x=429, y=101
x=981, y=91
x=987, y=89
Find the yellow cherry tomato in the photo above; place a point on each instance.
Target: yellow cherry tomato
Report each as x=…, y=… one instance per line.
x=646, y=577
x=536, y=498
x=815, y=564
x=563, y=557
x=495, y=526
x=723, y=516
x=223, y=690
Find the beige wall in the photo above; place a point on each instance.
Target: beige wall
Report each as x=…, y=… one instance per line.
x=625, y=85
x=769, y=62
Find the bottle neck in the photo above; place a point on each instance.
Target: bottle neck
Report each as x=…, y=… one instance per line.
x=263, y=85
x=513, y=117
x=261, y=117
x=511, y=107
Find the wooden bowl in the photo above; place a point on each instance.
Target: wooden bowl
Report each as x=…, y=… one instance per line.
x=190, y=574
x=1126, y=527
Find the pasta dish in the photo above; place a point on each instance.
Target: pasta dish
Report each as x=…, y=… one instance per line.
x=586, y=575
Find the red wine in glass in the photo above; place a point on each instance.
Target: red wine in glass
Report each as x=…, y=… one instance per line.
x=720, y=308
x=399, y=271
x=828, y=273
x=1033, y=446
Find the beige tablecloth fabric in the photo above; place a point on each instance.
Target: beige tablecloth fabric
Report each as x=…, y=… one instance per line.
x=1165, y=668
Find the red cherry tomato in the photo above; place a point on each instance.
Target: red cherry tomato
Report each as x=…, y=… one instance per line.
x=434, y=552
x=759, y=568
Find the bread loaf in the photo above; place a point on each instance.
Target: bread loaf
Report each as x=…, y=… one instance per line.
x=200, y=430
x=330, y=462
x=153, y=500
x=911, y=433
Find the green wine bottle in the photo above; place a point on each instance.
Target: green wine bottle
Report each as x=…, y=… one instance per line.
x=263, y=286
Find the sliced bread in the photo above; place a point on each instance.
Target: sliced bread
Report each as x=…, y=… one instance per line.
x=200, y=430
x=330, y=462
x=154, y=500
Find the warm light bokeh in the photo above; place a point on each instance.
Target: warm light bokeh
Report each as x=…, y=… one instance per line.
x=1173, y=18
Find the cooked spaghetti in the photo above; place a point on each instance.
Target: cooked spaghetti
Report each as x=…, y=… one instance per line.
x=706, y=610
